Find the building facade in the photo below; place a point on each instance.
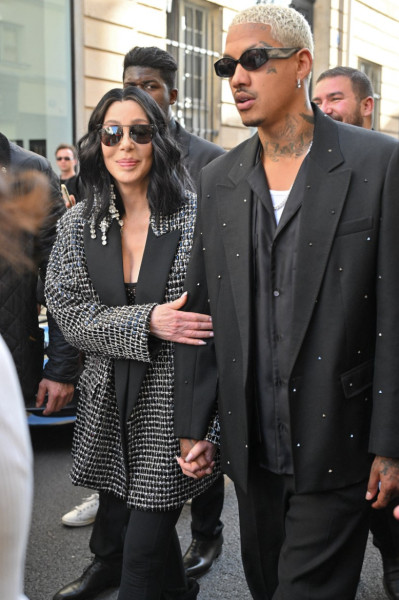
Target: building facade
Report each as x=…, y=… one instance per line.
x=58, y=57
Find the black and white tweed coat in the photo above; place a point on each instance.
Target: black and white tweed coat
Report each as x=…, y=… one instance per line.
x=123, y=442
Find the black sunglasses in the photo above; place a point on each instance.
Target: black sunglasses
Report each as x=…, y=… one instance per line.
x=251, y=60
x=64, y=158
x=111, y=135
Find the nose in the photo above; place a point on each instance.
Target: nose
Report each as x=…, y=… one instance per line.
x=241, y=77
x=326, y=107
x=126, y=140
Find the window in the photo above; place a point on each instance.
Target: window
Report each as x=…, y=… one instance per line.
x=35, y=73
x=373, y=72
x=192, y=31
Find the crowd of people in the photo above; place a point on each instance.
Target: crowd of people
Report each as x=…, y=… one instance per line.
x=221, y=313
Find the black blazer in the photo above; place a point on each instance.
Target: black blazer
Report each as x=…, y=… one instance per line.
x=196, y=152
x=343, y=365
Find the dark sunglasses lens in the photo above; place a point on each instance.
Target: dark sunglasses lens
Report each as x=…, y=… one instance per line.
x=225, y=67
x=141, y=134
x=112, y=135
x=254, y=58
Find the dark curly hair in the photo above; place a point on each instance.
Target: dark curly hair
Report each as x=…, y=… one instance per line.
x=168, y=178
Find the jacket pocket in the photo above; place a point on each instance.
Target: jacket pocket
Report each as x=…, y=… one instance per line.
x=355, y=226
x=358, y=379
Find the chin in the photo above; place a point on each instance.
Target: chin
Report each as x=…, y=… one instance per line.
x=250, y=122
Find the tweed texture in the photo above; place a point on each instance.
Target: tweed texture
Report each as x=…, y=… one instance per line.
x=149, y=476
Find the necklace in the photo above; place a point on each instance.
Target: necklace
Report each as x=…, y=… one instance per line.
x=282, y=203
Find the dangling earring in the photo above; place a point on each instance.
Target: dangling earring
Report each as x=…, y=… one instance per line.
x=298, y=83
x=105, y=223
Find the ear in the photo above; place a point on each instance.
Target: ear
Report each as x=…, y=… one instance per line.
x=367, y=106
x=173, y=96
x=304, y=63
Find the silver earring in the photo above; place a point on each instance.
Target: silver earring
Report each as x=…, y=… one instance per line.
x=298, y=83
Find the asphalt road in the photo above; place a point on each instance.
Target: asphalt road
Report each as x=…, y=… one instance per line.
x=57, y=554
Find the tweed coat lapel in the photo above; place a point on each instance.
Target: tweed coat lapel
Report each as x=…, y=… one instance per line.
x=325, y=193
x=235, y=215
x=106, y=273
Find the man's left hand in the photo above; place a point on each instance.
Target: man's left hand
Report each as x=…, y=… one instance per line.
x=58, y=395
x=384, y=476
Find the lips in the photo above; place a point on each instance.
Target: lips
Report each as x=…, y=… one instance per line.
x=243, y=100
x=127, y=163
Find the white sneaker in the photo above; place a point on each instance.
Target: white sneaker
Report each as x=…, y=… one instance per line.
x=84, y=514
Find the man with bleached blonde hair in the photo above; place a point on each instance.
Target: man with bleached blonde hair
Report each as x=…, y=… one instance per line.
x=295, y=257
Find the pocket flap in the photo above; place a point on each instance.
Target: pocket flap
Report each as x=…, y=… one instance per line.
x=358, y=379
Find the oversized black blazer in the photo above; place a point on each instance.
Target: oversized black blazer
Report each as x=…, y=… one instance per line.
x=344, y=359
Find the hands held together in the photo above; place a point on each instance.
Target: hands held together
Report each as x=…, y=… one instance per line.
x=197, y=458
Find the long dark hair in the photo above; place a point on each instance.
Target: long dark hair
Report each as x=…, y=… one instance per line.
x=168, y=178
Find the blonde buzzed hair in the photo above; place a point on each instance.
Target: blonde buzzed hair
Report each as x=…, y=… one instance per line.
x=287, y=25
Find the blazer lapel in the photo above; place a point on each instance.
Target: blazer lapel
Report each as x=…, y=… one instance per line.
x=106, y=273
x=155, y=268
x=324, y=198
x=235, y=213
x=105, y=267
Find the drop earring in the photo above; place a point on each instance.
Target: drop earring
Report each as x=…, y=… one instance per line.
x=298, y=83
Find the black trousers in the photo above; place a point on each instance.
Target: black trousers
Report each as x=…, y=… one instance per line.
x=152, y=559
x=112, y=517
x=301, y=546
x=385, y=530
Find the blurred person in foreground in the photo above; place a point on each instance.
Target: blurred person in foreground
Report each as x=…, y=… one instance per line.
x=23, y=206
x=296, y=255
x=346, y=94
x=20, y=299
x=114, y=284
x=154, y=71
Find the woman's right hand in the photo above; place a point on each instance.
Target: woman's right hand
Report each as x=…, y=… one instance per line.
x=169, y=323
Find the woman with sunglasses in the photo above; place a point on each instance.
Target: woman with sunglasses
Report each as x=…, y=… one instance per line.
x=114, y=283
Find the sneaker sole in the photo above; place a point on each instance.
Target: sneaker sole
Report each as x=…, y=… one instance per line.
x=80, y=524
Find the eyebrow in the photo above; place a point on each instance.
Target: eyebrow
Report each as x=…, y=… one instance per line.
x=135, y=82
x=330, y=95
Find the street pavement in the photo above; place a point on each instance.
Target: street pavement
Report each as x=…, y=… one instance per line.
x=57, y=555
